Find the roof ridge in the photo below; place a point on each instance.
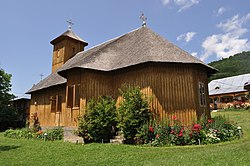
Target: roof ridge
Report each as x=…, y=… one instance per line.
x=115, y=38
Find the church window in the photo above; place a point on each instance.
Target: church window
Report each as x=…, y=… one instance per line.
x=73, y=97
x=56, y=103
x=202, y=96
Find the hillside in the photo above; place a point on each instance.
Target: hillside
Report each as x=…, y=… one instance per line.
x=232, y=66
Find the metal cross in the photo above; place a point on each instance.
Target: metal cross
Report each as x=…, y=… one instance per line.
x=41, y=75
x=144, y=19
x=70, y=22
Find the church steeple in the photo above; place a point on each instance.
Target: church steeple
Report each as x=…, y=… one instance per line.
x=65, y=47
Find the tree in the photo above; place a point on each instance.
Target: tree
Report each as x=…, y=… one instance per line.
x=234, y=65
x=8, y=115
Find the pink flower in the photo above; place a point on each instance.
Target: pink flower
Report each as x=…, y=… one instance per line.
x=157, y=136
x=210, y=121
x=172, y=132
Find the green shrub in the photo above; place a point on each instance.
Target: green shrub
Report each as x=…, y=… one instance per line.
x=19, y=133
x=224, y=129
x=133, y=113
x=99, y=120
x=52, y=134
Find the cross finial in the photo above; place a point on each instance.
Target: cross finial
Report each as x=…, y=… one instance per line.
x=41, y=75
x=70, y=22
x=144, y=19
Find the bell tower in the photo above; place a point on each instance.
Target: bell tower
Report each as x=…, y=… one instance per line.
x=66, y=46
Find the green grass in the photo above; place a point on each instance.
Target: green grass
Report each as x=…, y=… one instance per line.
x=34, y=152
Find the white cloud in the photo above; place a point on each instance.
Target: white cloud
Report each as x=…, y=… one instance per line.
x=230, y=42
x=221, y=10
x=182, y=4
x=187, y=37
x=165, y=2
x=194, y=54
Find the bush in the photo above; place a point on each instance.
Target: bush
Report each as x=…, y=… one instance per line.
x=133, y=113
x=19, y=133
x=52, y=134
x=99, y=121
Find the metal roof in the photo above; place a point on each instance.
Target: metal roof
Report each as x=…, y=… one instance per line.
x=228, y=85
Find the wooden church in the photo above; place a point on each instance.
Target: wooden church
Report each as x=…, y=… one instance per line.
x=176, y=81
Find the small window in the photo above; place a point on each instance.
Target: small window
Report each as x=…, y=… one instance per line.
x=217, y=87
x=59, y=104
x=56, y=103
x=70, y=96
x=202, y=96
x=53, y=103
x=77, y=96
x=73, y=97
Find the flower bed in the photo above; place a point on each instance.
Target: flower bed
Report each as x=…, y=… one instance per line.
x=210, y=131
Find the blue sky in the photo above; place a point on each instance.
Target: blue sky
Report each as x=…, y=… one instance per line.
x=209, y=30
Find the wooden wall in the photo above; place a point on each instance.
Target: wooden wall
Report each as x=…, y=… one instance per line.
x=64, y=50
x=171, y=87
x=41, y=104
x=173, y=90
x=200, y=75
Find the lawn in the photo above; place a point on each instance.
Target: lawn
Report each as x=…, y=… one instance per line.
x=34, y=152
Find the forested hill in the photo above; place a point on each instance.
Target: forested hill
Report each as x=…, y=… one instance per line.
x=232, y=66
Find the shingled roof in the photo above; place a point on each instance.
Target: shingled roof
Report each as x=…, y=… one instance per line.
x=52, y=80
x=70, y=34
x=136, y=47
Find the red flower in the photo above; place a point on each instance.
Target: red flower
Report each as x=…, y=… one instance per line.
x=151, y=129
x=197, y=127
x=174, y=118
x=180, y=135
